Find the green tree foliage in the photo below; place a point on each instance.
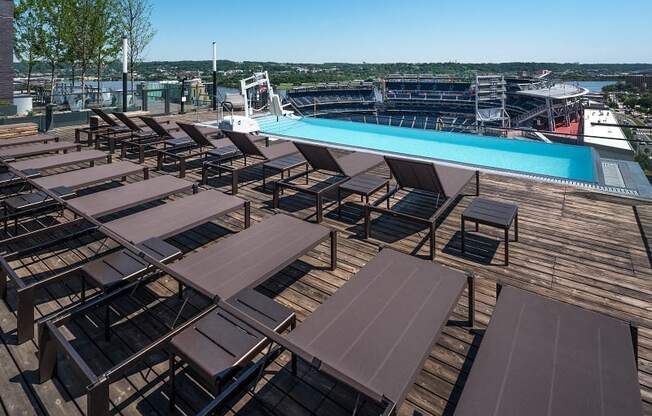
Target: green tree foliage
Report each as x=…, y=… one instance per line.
x=26, y=47
x=135, y=20
x=70, y=34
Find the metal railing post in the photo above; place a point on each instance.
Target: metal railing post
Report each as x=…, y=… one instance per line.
x=166, y=92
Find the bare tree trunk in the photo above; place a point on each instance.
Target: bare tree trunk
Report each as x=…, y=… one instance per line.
x=72, y=86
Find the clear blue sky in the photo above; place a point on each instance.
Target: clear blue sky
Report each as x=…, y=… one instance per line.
x=584, y=31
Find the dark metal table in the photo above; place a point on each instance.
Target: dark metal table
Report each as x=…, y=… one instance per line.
x=284, y=164
x=363, y=185
x=493, y=213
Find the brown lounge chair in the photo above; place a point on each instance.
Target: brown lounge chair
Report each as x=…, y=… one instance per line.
x=82, y=178
x=35, y=138
x=303, y=236
x=442, y=183
x=252, y=156
x=204, y=142
x=377, y=330
x=110, y=125
x=9, y=154
x=167, y=135
x=34, y=167
x=542, y=357
x=218, y=343
x=321, y=159
x=136, y=132
x=117, y=199
x=175, y=217
x=65, y=185
x=115, y=268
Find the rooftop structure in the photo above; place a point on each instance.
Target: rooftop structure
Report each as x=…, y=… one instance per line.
x=575, y=246
x=610, y=137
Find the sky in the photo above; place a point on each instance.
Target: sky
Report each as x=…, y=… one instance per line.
x=376, y=31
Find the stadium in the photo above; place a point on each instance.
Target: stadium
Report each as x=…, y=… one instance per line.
x=446, y=102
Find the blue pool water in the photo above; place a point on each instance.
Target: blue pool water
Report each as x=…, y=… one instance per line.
x=557, y=160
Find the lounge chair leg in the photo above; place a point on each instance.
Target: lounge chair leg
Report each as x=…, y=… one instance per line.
x=433, y=241
x=159, y=160
x=182, y=167
x=633, y=330
x=204, y=174
x=98, y=399
x=333, y=249
x=367, y=222
x=293, y=363
x=25, y=314
x=247, y=214
x=275, y=201
x=145, y=173
x=506, y=246
x=264, y=175
x=83, y=290
x=470, y=282
x=320, y=215
x=516, y=228
x=47, y=356
x=462, y=229
x=172, y=370
x=234, y=182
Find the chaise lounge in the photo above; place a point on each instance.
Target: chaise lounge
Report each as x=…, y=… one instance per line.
x=252, y=156
x=321, y=159
x=443, y=184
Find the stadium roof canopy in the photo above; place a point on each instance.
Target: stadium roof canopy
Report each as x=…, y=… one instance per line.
x=558, y=91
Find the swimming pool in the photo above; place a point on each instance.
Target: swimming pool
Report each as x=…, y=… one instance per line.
x=538, y=158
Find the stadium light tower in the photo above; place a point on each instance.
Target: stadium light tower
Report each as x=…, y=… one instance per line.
x=214, y=76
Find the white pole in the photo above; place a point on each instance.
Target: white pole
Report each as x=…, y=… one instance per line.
x=125, y=46
x=124, y=73
x=214, y=57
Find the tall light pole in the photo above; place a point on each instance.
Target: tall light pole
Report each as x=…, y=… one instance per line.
x=124, y=73
x=214, y=76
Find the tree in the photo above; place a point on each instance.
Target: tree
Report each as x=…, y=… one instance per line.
x=51, y=32
x=26, y=45
x=105, y=36
x=135, y=19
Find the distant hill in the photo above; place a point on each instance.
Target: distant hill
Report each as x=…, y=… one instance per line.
x=297, y=73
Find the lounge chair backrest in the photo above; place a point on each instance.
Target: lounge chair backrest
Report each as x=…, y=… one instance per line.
x=319, y=157
x=244, y=142
x=155, y=126
x=104, y=116
x=415, y=174
x=127, y=121
x=195, y=134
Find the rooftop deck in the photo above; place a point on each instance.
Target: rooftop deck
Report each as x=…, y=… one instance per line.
x=575, y=246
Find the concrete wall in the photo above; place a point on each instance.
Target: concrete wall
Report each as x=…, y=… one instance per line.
x=6, y=50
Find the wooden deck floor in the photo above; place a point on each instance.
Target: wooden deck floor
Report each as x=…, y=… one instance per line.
x=574, y=246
